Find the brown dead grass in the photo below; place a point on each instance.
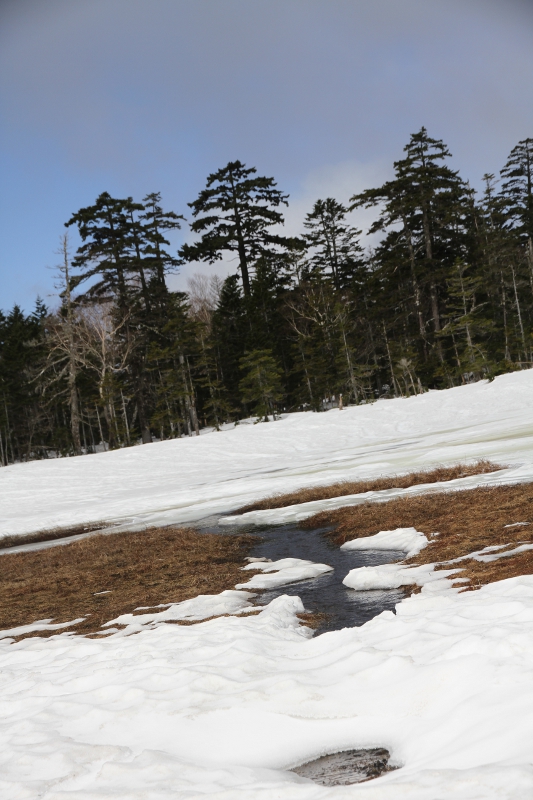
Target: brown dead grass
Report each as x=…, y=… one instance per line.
x=466, y=521
x=50, y=534
x=313, y=619
x=343, y=488
x=159, y=565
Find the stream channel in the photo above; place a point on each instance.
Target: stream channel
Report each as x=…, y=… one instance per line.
x=343, y=607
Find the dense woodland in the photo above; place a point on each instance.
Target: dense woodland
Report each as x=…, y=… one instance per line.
x=444, y=298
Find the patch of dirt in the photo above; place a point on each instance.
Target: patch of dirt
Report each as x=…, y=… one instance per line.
x=457, y=524
x=313, y=619
x=146, y=568
x=343, y=488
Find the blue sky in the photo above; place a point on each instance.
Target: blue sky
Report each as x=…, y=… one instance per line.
x=133, y=96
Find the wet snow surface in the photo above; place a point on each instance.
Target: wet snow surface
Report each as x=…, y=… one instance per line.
x=228, y=707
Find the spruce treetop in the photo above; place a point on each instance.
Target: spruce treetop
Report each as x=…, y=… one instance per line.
x=517, y=188
x=333, y=243
x=234, y=213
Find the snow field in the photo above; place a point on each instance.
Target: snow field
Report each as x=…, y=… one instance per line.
x=223, y=708
x=185, y=480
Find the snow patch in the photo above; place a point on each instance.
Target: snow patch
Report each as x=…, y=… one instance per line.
x=224, y=708
x=392, y=576
x=279, y=573
x=198, y=608
x=40, y=625
x=185, y=480
x=409, y=540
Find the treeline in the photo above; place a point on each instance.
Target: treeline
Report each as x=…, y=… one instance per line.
x=444, y=298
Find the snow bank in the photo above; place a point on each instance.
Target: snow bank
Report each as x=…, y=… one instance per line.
x=409, y=540
x=297, y=513
x=201, y=607
x=39, y=625
x=392, y=576
x=223, y=708
x=185, y=480
x=279, y=573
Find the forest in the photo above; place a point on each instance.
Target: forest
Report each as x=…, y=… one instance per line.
x=443, y=297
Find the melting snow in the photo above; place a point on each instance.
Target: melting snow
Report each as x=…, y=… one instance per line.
x=224, y=708
x=409, y=540
x=279, y=573
x=185, y=480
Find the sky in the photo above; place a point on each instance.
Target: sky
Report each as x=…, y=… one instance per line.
x=135, y=96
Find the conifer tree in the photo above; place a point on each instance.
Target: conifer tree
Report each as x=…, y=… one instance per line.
x=261, y=383
x=231, y=330
x=517, y=193
x=422, y=212
x=333, y=244
x=234, y=213
x=155, y=223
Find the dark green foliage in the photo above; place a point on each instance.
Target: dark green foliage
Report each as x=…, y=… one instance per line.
x=333, y=244
x=24, y=427
x=234, y=214
x=517, y=188
x=444, y=297
x=260, y=385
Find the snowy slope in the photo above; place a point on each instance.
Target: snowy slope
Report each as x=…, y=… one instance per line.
x=188, y=479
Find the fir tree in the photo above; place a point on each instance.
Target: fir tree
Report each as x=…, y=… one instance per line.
x=333, y=244
x=261, y=383
x=234, y=213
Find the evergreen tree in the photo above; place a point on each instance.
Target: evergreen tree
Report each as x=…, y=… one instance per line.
x=154, y=223
x=423, y=212
x=333, y=244
x=21, y=418
x=125, y=250
x=517, y=187
x=261, y=383
x=230, y=330
x=234, y=213
x=107, y=252
x=517, y=194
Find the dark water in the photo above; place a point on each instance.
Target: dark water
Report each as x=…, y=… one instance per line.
x=344, y=608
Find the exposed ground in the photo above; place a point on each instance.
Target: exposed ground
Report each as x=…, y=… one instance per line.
x=50, y=534
x=159, y=565
x=466, y=521
x=343, y=488
x=171, y=564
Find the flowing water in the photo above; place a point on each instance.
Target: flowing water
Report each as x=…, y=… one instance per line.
x=342, y=607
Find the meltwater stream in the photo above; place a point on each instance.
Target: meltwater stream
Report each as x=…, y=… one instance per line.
x=326, y=594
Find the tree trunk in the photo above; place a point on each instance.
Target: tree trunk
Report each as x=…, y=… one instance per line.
x=74, y=409
x=243, y=261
